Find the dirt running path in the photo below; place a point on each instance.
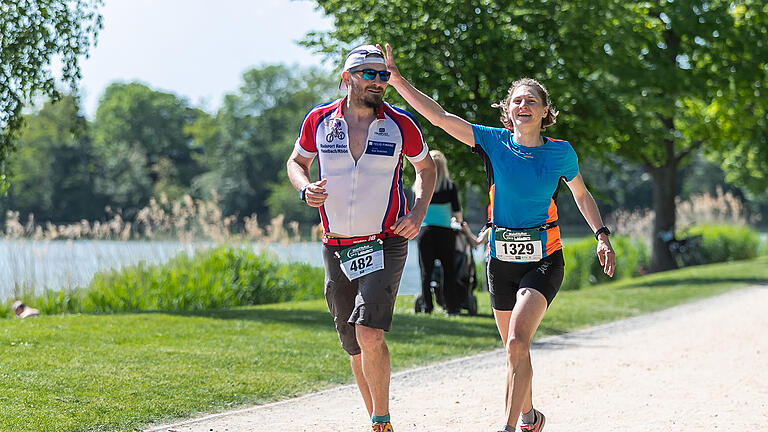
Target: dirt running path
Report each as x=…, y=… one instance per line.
x=701, y=366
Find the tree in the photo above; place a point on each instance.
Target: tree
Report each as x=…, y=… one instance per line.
x=54, y=168
x=254, y=135
x=32, y=34
x=743, y=153
x=144, y=143
x=644, y=80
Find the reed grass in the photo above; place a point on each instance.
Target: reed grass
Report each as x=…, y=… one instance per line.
x=184, y=220
x=722, y=208
x=196, y=224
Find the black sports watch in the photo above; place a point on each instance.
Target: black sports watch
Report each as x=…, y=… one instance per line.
x=303, y=193
x=603, y=229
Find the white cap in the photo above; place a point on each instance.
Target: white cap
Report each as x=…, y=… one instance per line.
x=364, y=54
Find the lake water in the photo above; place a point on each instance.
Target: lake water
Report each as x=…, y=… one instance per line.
x=67, y=264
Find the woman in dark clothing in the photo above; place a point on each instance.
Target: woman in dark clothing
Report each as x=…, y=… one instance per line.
x=437, y=240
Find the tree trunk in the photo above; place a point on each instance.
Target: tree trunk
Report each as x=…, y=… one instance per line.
x=664, y=223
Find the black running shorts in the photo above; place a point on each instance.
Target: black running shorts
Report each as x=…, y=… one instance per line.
x=506, y=278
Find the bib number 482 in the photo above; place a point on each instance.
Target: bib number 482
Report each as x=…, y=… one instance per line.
x=362, y=259
x=361, y=263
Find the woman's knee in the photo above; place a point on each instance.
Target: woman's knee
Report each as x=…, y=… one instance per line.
x=518, y=349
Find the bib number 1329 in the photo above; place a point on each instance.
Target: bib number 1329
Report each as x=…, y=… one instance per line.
x=518, y=246
x=362, y=259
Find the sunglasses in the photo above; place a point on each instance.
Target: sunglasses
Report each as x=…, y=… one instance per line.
x=370, y=74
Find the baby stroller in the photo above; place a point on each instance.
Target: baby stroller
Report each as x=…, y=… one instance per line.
x=466, y=277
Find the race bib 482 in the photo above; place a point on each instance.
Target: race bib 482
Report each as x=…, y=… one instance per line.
x=362, y=259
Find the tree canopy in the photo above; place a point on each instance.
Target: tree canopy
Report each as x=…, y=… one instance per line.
x=33, y=35
x=142, y=139
x=254, y=132
x=651, y=82
x=55, y=166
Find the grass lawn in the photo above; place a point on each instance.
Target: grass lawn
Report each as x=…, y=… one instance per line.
x=126, y=371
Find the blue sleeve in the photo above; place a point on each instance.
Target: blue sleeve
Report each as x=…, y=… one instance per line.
x=486, y=137
x=571, y=164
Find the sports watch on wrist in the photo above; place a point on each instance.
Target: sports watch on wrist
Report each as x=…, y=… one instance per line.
x=303, y=192
x=601, y=230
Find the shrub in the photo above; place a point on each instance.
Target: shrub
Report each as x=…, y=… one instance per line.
x=582, y=266
x=632, y=258
x=725, y=242
x=578, y=258
x=214, y=278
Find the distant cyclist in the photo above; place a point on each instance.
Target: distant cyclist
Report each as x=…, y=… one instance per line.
x=526, y=267
x=437, y=239
x=360, y=143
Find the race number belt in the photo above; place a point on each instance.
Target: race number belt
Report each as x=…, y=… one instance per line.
x=519, y=245
x=361, y=259
x=349, y=241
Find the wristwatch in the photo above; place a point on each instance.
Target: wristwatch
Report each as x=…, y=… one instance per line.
x=303, y=192
x=603, y=229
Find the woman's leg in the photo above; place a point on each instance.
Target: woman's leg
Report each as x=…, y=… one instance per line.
x=426, y=264
x=517, y=328
x=447, y=256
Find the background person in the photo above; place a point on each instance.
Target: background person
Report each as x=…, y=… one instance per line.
x=437, y=239
x=526, y=267
x=482, y=237
x=360, y=142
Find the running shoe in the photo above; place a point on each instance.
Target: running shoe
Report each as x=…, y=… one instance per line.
x=382, y=427
x=537, y=426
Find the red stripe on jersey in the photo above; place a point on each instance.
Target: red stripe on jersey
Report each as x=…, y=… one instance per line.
x=394, y=198
x=309, y=125
x=324, y=218
x=413, y=141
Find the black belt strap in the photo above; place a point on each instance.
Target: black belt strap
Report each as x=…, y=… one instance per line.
x=544, y=227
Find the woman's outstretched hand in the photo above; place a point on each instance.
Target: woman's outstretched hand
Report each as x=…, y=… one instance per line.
x=391, y=66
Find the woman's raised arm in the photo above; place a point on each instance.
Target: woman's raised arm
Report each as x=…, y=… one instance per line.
x=456, y=126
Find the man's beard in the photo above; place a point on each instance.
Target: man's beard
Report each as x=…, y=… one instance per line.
x=366, y=99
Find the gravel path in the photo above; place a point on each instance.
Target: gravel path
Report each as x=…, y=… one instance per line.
x=699, y=366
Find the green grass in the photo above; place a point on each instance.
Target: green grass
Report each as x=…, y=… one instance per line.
x=125, y=371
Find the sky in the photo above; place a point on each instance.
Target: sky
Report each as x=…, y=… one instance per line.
x=197, y=49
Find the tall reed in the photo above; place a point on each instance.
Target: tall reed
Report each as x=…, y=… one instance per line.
x=722, y=208
x=193, y=222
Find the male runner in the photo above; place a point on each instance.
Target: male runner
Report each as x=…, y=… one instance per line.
x=360, y=142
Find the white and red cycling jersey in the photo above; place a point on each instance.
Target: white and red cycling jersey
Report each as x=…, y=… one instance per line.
x=365, y=197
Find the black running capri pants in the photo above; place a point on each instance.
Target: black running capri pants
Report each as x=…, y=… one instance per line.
x=506, y=278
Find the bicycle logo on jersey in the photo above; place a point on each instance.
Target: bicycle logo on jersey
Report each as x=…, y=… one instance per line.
x=336, y=132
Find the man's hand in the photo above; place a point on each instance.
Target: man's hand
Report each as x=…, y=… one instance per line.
x=606, y=255
x=316, y=194
x=408, y=226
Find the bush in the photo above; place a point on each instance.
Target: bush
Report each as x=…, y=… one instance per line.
x=632, y=257
x=583, y=268
x=725, y=242
x=578, y=258
x=214, y=278
x=762, y=250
